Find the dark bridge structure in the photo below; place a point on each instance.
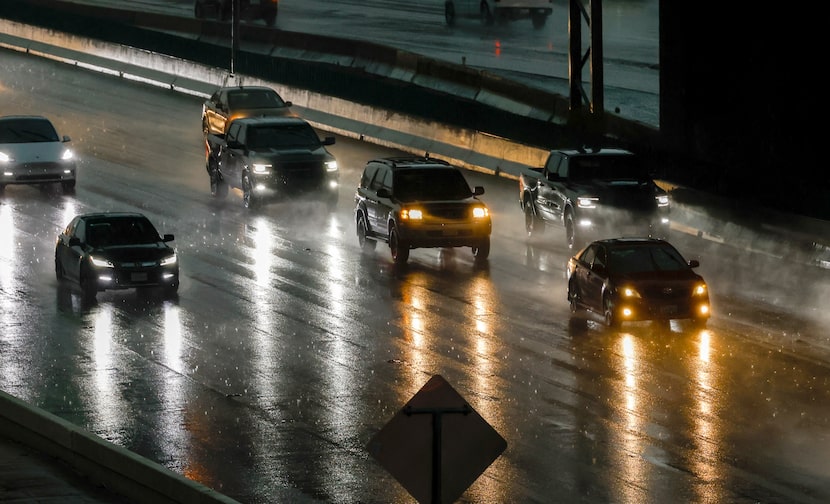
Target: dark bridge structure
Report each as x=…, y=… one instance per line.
x=739, y=89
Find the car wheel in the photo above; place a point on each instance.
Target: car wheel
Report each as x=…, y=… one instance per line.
x=482, y=251
x=571, y=236
x=89, y=287
x=534, y=225
x=487, y=18
x=611, y=319
x=574, y=302
x=398, y=247
x=218, y=187
x=59, y=273
x=449, y=13
x=363, y=239
x=249, y=199
x=68, y=187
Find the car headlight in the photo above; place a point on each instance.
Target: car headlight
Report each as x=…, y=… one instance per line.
x=587, y=202
x=166, y=261
x=662, y=200
x=262, y=168
x=629, y=293
x=101, y=262
x=480, y=212
x=699, y=289
x=412, y=214
x=5, y=158
x=67, y=155
x=331, y=165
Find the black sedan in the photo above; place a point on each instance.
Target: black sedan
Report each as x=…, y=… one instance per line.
x=636, y=279
x=115, y=250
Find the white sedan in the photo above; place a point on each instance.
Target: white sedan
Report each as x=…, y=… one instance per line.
x=31, y=152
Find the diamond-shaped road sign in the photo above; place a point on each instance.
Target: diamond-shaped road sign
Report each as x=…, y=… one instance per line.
x=437, y=445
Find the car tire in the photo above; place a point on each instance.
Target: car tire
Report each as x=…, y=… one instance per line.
x=362, y=229
x=609, y=315
x=399, y=248
x=482, y=251
x=218, y=187
x=534, y=225
x=249, y=199
x=89, y=288
x=449, y=13
x=59, y=273
x=572, y=299
x=572, y=238
x=68, y=187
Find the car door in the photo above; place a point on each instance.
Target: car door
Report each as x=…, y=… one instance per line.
x=71, y=251
x=233, y=158
x=546, y=197
x=376, y=206
x=596, y=277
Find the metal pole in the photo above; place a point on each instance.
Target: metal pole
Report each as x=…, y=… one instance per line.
x=234, y=33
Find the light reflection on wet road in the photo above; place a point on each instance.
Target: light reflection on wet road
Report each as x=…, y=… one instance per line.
x=288, y=349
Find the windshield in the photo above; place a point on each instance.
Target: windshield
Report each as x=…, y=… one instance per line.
x=300, y=135
x=120, y=231
x=254, y=99
x=607, y=168
x=27, y=131
x=430, y=184
x=641, y=259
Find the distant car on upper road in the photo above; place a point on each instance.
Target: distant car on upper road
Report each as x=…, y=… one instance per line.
x=234, y=102
x=31, y=152
x=636, y=279
x=490, y=11
x=222, y=10
x=413, y=202
x=115, y=250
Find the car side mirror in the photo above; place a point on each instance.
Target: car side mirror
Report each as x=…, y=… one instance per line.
x=74, y=241
x=329, y=140
x=478, y=190
x=167, y=238
x=384, y=193
x=289, y=104
x=694, y=263
x=66, y=139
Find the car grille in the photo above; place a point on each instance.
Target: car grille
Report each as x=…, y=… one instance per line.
x=448, y=212
x=303, y=176
x=668, y=293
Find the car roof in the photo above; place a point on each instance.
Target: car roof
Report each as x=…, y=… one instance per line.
x=602, y=151
x=19, y=117
x=231, y=89
x=629, y=241
x=404, y=162
x=114, y=215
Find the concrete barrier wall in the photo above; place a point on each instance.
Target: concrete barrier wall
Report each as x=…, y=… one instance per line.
x=102, y=462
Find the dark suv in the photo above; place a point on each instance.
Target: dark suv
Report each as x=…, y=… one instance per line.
x=248, y=10
x=414, y=202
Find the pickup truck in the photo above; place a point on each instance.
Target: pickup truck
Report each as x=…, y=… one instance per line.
x=272, y=158
x=593, y=194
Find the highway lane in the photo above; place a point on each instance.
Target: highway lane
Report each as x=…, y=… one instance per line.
x=288, y=349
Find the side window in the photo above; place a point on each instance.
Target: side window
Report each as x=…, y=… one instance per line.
x=564, y=167
x=377, y=180
x=222, y=100
x=600, y=261
x=387, y=180
x=552, y=164
x=235, y=132
x=368, y=172
x=589, y=255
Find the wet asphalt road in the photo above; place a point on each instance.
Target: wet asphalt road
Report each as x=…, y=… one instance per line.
x=288, y=349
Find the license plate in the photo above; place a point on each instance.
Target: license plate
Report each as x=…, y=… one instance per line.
x=138, y=277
